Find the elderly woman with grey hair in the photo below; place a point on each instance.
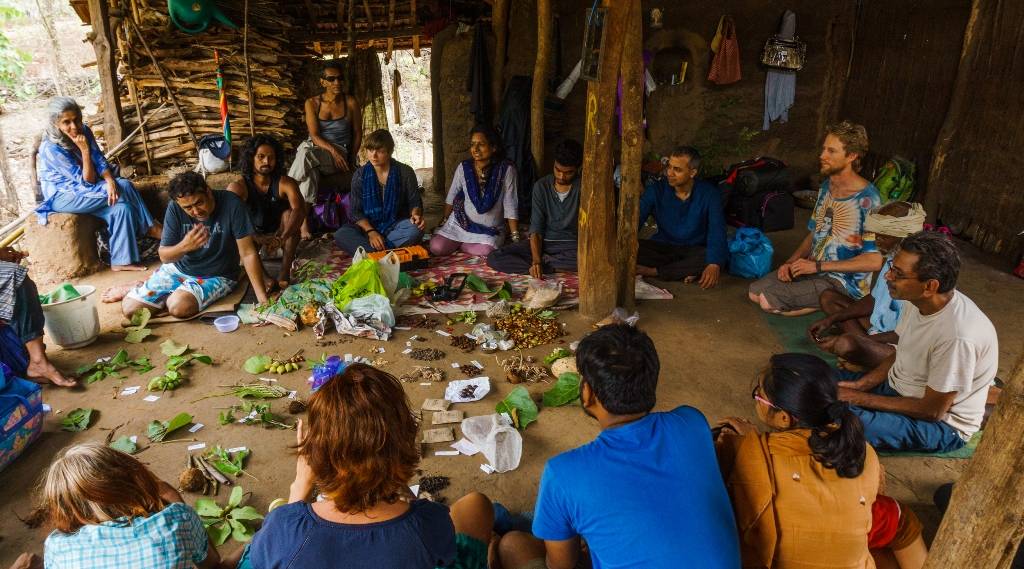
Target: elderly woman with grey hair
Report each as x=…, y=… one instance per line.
x=76, y=178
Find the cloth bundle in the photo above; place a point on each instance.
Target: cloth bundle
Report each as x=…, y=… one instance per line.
x=896, y=226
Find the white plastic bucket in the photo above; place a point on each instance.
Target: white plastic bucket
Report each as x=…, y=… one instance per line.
x=73, y=323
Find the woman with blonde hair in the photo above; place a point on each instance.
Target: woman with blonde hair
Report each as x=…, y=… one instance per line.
x=108, y=510
x=359, y=449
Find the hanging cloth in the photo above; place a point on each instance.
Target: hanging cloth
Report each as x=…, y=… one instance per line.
x=396, y=99
x=725, y=66
x=225, y=122
x=780, y=86
x=479, y=83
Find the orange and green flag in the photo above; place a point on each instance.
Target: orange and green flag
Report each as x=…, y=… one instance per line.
x=225, y=123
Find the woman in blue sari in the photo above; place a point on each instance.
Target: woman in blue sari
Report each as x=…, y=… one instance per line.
x=76, y=178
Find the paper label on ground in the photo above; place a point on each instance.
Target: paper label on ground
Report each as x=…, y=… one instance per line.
x=197, y=446
x=151, y=398
x=487, y=468
x=436, y=404
x=426, y=383
x=440, y=435
x=47, y=408
x=446, y=453
x=456, y=365
x=348, y=358
x=441, y=333
x=237, y=449
x=292, y=394
x=131, y=390
x=195, y=428
x=444, y=417
x=415, y=488
x=477, y=364
x=455, y=389
x=134, y=439
x=465, y=447
x=404, y=328
x=407, y=351
x=267, y=379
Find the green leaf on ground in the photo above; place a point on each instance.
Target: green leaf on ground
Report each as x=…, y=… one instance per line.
x=203, y=358
x=219, y=532
x=557, y=354
x=125, y=445
x=170, y=348
x=77, y=420
x=208, y=508
x=519, y=406
x=120, y=359
x=158, y=430
x=141, y=365
x=566, y=390
x=233, y=520
x=141, y=317
x=137, y=335
x=478, y=284
x=504, y=292
x=256, y=364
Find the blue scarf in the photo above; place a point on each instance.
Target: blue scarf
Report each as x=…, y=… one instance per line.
x=483, y=199
x=382, y=211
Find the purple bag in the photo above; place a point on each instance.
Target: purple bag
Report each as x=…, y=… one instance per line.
x=329, y=211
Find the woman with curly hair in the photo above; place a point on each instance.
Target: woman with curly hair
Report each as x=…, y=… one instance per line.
x=108, y=510
x=359, y=449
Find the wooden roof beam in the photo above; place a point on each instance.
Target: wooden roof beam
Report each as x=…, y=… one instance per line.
x=342, y=35
x=312, y=14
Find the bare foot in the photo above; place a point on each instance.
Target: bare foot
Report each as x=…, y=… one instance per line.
x=117, y=293
x=28, y=561
x=690, y=280
x=127, y=268
x=45, y=372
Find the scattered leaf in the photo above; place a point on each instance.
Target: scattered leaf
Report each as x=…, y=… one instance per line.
x=257, y=364
x=77, y=420
x=557, y=354
x=125, y=445
x=158, y=430
x=170, y=348
x=208, y=508
x=504, y=292
x=478, y=284
x=566, y=390
x=234, y=520
x=203, y=358
x=519, y=406
x=141, y=317
x=137, y=335
x=219, y=532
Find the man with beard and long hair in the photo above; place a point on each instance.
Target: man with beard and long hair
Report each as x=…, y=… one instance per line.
x=837, y=253
x=273, y=200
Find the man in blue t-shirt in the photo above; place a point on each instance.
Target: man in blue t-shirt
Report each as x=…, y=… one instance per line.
x=690, y=243
x=206, y=234
x=867, y=326
x=646, y=493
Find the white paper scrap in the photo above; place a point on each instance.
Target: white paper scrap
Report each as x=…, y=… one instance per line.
x=487, y=468
x=47, y=408
x=403, y=328
x=195, y=428
x=348, y=358
x=408, y=344
x=456, y=365
x=197, y=446
x=292, y=394
x=470, y=336
x=134, y=439
x=131, y=390
x=446, y=453
x=407, y=351
x=414, y=337
x=267, y=379
x=441, y=333
x=427, y=383
x=477, y=364
x=415, y=490
x=103, y=360
x=465, y=447
x=151, y=398
x=237, y=449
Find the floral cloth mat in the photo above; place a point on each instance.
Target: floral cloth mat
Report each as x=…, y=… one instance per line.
x=439, y=268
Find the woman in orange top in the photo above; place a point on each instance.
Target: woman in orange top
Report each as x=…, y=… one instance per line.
x=804, y=491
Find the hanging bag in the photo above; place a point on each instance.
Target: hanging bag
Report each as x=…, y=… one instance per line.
x=725, y=66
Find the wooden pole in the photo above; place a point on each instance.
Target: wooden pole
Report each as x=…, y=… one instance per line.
x=415, y=23
x=632, y=71
x=124, y=42
x=499, y=24
x=391, y=24
x=248, y=78
x=540, y=82
x=351, y=68
x=102, y=44
x=985, y=520
x=163, y=79
x=597, y=246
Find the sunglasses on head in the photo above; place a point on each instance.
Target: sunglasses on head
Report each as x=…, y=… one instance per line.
x=331, y=78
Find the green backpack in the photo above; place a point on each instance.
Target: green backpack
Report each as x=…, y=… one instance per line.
x=895, y=181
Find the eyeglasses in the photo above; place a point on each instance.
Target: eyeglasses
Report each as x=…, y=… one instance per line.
x=895, y=274
x=331, y=78
x=758, y=398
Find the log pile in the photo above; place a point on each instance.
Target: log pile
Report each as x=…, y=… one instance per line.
x=187, y=69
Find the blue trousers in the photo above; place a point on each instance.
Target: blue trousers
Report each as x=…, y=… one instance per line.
x=126, y=220
x=898, y=432
x=350, y=237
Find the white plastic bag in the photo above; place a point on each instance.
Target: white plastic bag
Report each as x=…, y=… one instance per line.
x=501, y=444
x=388, y=269
x=372, y=307
x=542, y=294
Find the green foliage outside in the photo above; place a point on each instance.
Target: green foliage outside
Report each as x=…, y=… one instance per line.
x=12, y=60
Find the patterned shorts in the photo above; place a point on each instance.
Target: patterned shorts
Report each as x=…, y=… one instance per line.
x=168, y=279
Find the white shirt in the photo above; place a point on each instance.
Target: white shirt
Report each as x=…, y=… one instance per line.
x=505, y=208
x=955, y=349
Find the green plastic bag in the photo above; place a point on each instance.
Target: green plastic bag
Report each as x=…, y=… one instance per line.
x=358, y=281
x=64, y=292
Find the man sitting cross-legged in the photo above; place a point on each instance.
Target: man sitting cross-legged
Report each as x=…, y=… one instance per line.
x=837, y=252
x=553, y=221
x=273, y=200
x=646, y=493
x=690, y=243
x=868, y=325
x=205, y=234
x=930, y=395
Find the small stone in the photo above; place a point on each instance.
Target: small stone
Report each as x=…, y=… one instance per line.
x=796, y=477
x=863, y=500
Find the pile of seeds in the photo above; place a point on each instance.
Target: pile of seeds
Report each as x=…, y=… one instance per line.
x=426, y=354
x=470, y=370
x=434, y=484
x=528, y=330
x=417, y=321
x=468, y=391
x=463, y=343
x=424, y=374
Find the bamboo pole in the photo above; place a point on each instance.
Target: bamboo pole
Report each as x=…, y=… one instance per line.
x=350, y=69
x=983, y=525
x=540, y=74
x=133, y=93
x=499, y=24
x=391, y=24
x=248, y=77
x=163, y=79
x=415, y=38
x=632, y=70
x=596, y=250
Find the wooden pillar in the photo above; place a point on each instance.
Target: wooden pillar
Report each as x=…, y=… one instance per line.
x=632, y=71
x=597, y=243
x=103, y=45
x=985, y=520
x=499, y=25
x=540, y=82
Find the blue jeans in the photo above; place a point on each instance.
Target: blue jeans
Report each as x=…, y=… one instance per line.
x=126, y=220
x=402, y=234
x=898, y=432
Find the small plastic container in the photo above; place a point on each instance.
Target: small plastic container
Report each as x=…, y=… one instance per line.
x=226, y=323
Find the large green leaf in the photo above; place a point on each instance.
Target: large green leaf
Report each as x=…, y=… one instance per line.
x=208, y=508
x=179, y=421
x=219, y=532
x=120, y=359
x=504, y=292
x=478, y=284
x=141, y=317
x=245, y=513
x=141, y=365
x=125, y=445
x=236, y=497
x=170, y=348
x=256, y=364
x=566, y=390
x=77, y=420
x=158, y=431
x=519, y=406
x=137, y=335
x=203, y=358
x=239, y=531
x=96, y=376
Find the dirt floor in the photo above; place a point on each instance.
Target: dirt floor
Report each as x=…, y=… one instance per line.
x=711, y=345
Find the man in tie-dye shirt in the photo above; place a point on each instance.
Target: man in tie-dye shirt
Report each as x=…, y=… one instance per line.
x=836, y=253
